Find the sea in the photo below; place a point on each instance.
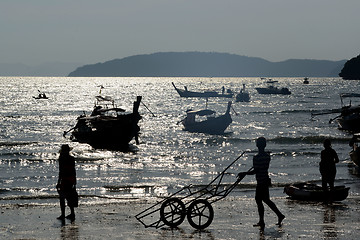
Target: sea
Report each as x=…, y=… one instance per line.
x=167, y=158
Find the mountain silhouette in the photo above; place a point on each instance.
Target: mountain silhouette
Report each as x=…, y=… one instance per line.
x=207, y=64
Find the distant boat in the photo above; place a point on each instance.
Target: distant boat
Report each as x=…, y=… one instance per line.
x=271, y=81
x=107, y=127
x=273, y=90
x=212, y=124
x=313, y=192
x=306, y=80
x=243, y=96
x=41, y=95
x=206, y=94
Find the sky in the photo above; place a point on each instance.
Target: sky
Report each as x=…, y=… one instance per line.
x=90, y=31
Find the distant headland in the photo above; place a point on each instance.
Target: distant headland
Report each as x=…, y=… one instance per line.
x=207, y=64
x=351, y=69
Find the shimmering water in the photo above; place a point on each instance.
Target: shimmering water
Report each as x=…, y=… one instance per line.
x=168, y=157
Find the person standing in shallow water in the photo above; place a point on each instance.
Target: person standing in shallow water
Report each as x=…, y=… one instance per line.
x=66, y=185
x=261, y=162
x=329, y=158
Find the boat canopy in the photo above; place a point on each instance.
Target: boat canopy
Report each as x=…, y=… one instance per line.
x=104, y=99
x=204, y=112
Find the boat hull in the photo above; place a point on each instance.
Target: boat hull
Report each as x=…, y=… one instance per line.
x=350, y=123
x=209, y=94
x=283, y=91
x=312, y=192
x=110, y=133
x=243, y=97
x=216, y=125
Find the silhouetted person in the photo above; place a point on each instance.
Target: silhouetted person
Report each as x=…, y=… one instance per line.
x=66, y=185
x=261, y=162
x=327, y=165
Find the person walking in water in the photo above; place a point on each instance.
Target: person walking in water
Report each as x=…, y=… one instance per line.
x=261, y=162
x=329, y=158
x=66, y=185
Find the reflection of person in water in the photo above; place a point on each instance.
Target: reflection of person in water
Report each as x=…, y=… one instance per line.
x=329, y=226
x=66, y=185
x=327, y=165
x=261, y=163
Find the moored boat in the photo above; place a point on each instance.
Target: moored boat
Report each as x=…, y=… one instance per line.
x=41, y=95
x=207, y=94
x=273, y=90
x=107, y=127
x=312, y=192
x=355, y=152
x=349, y=118
x=212, y=124
x=243, y=96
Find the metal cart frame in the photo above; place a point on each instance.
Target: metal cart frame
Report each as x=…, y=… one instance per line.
x=195, y=205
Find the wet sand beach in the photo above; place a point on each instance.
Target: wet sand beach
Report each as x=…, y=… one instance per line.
x=234, y=217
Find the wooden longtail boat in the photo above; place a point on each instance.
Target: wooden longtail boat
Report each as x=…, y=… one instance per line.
x=206, y=94
x=107, y=127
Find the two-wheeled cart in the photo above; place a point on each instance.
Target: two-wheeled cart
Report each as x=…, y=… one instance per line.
x=195, y=204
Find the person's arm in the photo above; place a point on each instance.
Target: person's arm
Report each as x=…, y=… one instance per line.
x=250, y=172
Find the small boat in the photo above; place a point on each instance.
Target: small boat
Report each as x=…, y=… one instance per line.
x=349, y=118
x=273, y=90
x=271, y=81
x=211, y=125
x=355, y=152
x=312, y=192
x=206, y=94
x=107, y=127
x=41, y=95
x=243, y=96
x=306, y=80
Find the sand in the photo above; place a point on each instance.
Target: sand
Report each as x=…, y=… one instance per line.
x=234, y=217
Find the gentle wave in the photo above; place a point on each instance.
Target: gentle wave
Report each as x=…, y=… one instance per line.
x=289, y=111
x=307, y=140
x=11, y=144
x=287, y=140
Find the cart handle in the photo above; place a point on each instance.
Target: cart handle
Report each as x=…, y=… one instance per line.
x=221, y=175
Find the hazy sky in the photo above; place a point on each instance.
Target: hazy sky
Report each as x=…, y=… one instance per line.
x=91, y=31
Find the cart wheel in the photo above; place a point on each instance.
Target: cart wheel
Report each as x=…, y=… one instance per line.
x=172, y=212
x=200, y=214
